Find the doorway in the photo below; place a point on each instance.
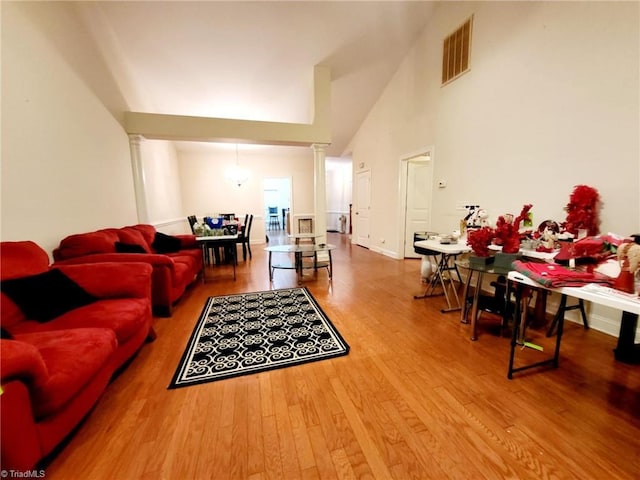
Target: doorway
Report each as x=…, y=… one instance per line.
x=416, y=174
x=363, y=205
x=277, y=204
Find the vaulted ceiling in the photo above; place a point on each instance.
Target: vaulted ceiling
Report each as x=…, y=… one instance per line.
x=254, y=60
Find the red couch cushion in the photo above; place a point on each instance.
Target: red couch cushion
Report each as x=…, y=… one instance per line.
x=47, y=295
x=81, y=244
x=147, y=231
x=11, y=313
x=72, y=358
x=21, y=259
x=132, y=236
x=193, y=263
x=124, y=316
x=183, y=275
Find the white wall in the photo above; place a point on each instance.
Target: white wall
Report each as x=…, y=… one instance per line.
x=551, y=101
x=205, y=189
x=162, y=186
x=65, y=159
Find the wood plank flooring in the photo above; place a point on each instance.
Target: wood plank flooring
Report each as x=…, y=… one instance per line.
x=415, y=398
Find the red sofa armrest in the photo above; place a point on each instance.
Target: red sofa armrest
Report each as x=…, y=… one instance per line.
x=19, y=440
x=187, y=241
x=22, y=361
x=111, y=280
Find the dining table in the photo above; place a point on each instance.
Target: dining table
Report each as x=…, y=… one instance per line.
x=228, y=242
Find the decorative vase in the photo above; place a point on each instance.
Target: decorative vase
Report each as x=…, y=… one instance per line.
x=427, y=269
x=504, y=260
x=625, y=281
x=477, y=261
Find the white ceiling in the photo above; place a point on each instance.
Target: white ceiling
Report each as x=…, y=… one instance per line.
x=254, y=60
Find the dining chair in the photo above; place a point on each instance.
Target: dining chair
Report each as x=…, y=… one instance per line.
x=244, y=239
x=192, y=221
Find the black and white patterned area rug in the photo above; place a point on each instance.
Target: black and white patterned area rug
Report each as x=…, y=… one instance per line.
x=253, y=332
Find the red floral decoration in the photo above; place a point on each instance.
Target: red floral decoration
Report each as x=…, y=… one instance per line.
x=480, y=239
x=582, y=210
x=508, y=231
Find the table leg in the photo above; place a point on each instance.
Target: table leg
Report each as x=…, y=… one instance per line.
x=465, y=298
x=298, y=266
x=270, y=269
x=474, y=307
x=507, y=305
x=556, y=356
x=626, y=350
x=455, y=268
x=444, y=261
x=516, y=329
x=234, y=254
x=446, y=269
x=517, y=336
x=204, y=263
x=439, y=277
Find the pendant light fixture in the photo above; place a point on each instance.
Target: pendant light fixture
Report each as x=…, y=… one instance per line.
x=237, y=174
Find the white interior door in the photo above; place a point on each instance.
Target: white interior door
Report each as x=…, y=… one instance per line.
x=363, y=206
x=418, y=200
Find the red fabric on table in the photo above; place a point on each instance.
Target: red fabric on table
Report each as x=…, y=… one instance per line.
x=551, y=275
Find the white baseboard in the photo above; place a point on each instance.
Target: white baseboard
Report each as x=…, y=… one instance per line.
x=386, y=253
x=171, y=221
x=173, y=226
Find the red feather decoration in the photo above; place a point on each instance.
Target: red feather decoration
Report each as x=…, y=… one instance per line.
x=508, y=231
x=582, y=211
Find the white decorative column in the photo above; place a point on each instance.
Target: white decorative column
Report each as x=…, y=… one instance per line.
x=320, y=189
x=138, y=178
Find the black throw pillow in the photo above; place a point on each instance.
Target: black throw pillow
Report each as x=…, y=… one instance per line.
x=129, y=248
x=47, y=295
x=5, y=334
x=163, y=243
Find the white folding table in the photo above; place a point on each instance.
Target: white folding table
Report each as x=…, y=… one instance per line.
x=445, y=267
x=626, y=351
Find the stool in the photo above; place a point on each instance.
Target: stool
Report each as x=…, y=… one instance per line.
x=564, y=308
x=274, y=220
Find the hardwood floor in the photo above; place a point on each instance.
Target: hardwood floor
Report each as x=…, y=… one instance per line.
x=415, y=398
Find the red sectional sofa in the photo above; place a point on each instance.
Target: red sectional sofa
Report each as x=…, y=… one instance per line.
x=65, y=331
x=176, y=260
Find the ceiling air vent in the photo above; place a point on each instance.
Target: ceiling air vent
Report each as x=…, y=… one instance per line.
x=455, y=52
